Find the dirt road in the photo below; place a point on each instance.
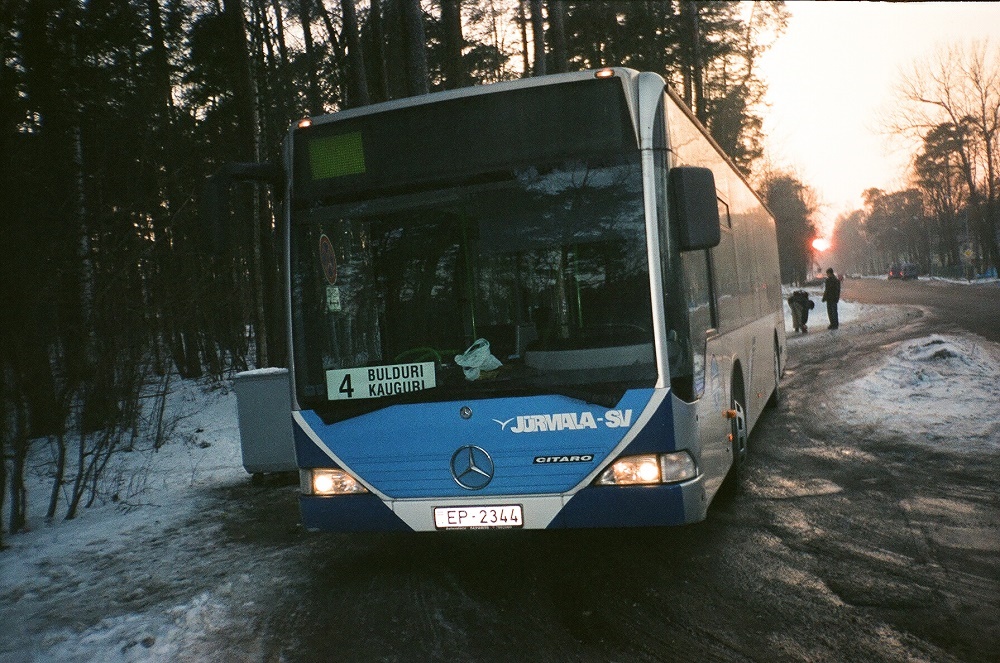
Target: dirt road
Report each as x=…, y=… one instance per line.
x=969, y=307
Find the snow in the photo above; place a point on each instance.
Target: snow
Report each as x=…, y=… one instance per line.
x=848, y=311
x=160, y=493
x=943, y=388
x=262, y=372
x=936, y=389
x=979, y=280
x=940, y=389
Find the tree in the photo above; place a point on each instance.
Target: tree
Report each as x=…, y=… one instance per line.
x=44, y=358
x=522, y=24
x=850, y=247
x=960, y=87
x=733, y=89
x=235, y=10
x=538, y=38
x=246, y=105
x=455, y=73
x=707, y=51
x=557, y=34
x=716, y=58
x=894, y=226
x=692, y=57
x=489, y=33
x=413, y=37
x=357, y=75
x=405, y=47
x=937, y=173
x=793, y=205
x=379, y=77
x=90, y=188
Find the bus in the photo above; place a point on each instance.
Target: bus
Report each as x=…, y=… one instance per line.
x=538, y=304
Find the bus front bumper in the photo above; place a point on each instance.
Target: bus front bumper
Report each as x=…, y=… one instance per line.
x=594, y=506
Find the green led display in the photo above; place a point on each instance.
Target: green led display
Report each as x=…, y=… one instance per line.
x=337, y=156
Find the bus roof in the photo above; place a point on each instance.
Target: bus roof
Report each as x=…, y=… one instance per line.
x=628, y=76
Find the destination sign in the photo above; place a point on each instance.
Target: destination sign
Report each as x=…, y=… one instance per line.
x=379, y=381
x=337, y=156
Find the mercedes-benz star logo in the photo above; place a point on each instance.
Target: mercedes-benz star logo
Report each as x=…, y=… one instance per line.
x=472, y=467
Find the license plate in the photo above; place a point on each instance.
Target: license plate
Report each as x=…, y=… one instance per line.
x=478, y=517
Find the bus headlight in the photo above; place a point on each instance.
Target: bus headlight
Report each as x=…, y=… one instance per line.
x=648, y=469
x=678, y=466
x=324, y=482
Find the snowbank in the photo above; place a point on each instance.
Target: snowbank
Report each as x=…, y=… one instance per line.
x=941, y=389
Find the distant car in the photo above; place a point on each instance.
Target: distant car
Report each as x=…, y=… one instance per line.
x=904, y=272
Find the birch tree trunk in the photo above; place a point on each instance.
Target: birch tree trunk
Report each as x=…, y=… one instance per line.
x=245, y=93
x=538, y=37
x=557, y=30
x=357, y=76
x=455, y=74
x=416, y=48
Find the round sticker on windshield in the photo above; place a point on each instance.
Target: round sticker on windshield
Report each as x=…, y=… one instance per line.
x=328, y=259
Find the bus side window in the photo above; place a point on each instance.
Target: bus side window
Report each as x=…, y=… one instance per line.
x=701, y=311
x=725, y=271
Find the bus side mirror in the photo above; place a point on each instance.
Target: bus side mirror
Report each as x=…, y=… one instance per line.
x=214, y=207
x=695, y=207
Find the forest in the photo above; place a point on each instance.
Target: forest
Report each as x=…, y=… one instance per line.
x=946, y=217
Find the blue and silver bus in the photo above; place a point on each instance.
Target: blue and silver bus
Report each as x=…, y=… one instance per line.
x=546, y=303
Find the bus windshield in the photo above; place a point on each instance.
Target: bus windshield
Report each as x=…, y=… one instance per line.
x=522, y=273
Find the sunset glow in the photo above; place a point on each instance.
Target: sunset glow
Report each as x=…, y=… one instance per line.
x=831, y=78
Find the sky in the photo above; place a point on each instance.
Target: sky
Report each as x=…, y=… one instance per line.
x=159, y=580
x=831, y=76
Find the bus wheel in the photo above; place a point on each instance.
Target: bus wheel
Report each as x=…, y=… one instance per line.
x=738, y=439
x=739, y=436
x=776, y=394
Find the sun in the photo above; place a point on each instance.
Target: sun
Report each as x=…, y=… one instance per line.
x=821, y=244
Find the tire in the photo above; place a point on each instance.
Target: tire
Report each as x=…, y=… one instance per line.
x=739, y=433
x=738, y=438
x=775, y=398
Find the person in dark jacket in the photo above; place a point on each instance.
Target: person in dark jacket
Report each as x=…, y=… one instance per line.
x=800, y=304
x=831, y=295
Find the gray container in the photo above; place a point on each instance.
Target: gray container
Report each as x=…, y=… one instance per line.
x=264, y=406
